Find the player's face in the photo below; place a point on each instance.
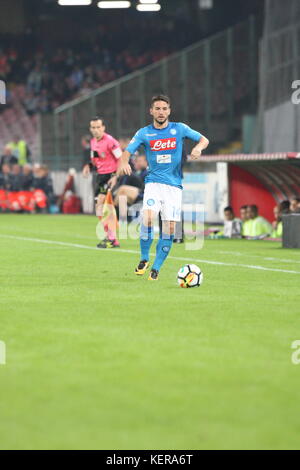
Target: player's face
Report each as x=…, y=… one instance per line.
x=97, y=129
x=160, y=111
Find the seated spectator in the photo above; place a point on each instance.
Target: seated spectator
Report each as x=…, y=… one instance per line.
x=5, y=178
x=16, y=178
x=243, y=213
x=282, y=208
x=43, y=188
x=68, y=202
x=295, y=204
x=8, y=157
x=232, y=224
x=27, y=178
x=131, y=187
x=257, y=226
x=71, y=203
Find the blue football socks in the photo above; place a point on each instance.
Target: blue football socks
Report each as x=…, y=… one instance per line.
x=146, y=239
x=163, y=247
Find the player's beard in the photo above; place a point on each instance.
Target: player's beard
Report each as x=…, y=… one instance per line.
x=161, y=122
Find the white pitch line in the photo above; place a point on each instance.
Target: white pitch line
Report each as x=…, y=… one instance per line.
x=120, y=250
x=266, y=258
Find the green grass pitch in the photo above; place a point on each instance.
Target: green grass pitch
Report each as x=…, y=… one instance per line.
x=97, y=358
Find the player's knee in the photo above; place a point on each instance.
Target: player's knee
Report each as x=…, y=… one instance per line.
x=148, y=221
x=148, y=218
x=172, y=228
x=168, y=228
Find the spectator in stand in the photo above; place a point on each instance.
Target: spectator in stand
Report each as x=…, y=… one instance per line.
x=105, y=54
x=43, y=187
x=27, y=178
x=31, y=103
x=5, y=177
x=20, y=150
x=295, y=204
x=69, y=189
x=7, y=157
x=16, y=177
x=34, y=80
x=256, y=227
x=43, y=104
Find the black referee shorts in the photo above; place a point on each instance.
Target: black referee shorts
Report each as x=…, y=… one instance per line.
x=101, y=185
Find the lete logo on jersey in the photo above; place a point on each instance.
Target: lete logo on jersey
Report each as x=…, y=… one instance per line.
x=163, y=144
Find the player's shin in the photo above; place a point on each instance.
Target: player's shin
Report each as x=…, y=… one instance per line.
x=163, y=248
x=146, y=239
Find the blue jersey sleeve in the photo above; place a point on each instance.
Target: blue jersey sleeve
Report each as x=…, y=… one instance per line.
x=190, y=133
x=135, y=142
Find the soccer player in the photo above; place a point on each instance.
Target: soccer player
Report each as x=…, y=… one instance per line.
x=105, y=154
x=163, y=142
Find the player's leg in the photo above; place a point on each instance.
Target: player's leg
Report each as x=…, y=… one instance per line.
x=146, y=239
x=151, y=207
x=170, y=214
x=163, y=247
x=110, y=240
x=99, y=200
x=128, y=194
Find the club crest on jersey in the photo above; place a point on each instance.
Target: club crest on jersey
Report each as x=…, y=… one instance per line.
x=173, y=131
x=163, y=144
x=95, y=154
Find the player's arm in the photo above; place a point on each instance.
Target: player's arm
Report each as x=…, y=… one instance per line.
x=87, y=167
x=202, y=141
x=124, y=167
x=86, y=170
x=117, y=153
x=136, y=141
x=197, y=150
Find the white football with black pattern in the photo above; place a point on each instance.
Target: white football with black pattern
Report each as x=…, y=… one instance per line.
x=189, y=275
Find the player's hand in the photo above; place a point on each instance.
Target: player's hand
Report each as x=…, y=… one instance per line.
x=86, y=171
x=195, y=154
x=112, y=181
x=125, y=169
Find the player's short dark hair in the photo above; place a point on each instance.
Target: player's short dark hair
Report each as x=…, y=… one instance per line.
x=160, y=98
x=296, y=198
x=244, y=207
x=98, y=118
x=229, y=209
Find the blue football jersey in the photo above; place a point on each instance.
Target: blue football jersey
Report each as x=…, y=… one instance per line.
x=163, y=148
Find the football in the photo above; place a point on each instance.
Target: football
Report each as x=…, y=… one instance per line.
x=190, y=275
